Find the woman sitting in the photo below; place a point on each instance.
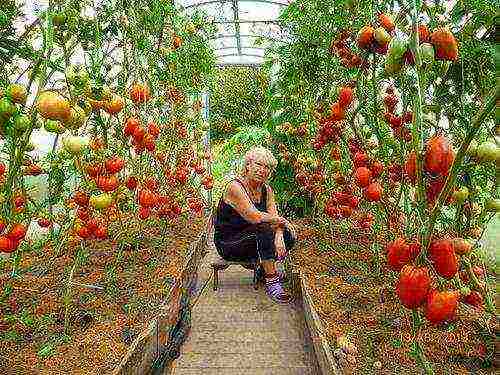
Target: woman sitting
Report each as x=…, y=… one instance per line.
x=247, y=225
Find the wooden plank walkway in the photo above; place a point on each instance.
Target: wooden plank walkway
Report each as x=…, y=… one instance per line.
x=237, y=330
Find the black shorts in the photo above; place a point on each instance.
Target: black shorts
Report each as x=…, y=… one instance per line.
x=253, y=244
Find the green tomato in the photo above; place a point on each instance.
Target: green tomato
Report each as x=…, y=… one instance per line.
x=461, y=195
x=487, y=151
x=101, y=201
x=397, y=48
x=381, y=36
x=54, y=127
x=493, y=205
x=7, y=108
x=74, y=144
x=427, y=53
x=21, y=123
x=59, y=19
x=77, y=75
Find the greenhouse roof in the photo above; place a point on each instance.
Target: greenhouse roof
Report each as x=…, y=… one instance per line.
x=245, y=27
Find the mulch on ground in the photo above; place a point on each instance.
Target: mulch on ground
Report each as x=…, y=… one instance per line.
x=339, y=270
x=132, y=283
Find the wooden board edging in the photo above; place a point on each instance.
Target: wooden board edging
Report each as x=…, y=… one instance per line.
x=144, y=350
x=324, y=355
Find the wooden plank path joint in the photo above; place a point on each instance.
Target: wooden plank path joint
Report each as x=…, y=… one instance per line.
x=239, y=330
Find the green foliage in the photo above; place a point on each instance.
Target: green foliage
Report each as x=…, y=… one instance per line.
x=237, y=100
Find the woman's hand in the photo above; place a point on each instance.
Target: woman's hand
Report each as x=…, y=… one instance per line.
x=279, y=244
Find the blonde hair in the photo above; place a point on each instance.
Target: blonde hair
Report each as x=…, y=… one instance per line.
x=259, y=152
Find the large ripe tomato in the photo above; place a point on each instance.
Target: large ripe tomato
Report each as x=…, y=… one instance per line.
x=130, y=126
x=445, y=44
x=107, y=183
x=439, y=156
x=386, y=21
x=444, y=259
x=52, y=105
x=362, y=176
x=83, y=232
x=413, y=286
x=373, y=193
x=365, y=37
x=7, y=245
x=345, y=97
x=147, y=198
x=114, y=165
x=398, y=254
x=441, y=306
x=17, y=232
x=139, y=134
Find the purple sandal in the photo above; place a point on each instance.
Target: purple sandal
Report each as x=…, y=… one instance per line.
x=275, y=291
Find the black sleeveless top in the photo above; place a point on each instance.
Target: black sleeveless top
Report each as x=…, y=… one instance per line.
x=228, y=222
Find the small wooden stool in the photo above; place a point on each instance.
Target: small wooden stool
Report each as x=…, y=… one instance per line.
x=221, y=264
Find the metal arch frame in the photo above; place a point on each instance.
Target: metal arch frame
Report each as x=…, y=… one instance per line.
x=194, y=5
x=237, y=22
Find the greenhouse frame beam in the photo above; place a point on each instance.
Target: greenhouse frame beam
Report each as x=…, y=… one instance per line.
x=236, y=18
x=221, y=1
x=244, y=36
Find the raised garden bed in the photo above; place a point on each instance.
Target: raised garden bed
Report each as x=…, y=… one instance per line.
x=122, y=304
x=345, y=301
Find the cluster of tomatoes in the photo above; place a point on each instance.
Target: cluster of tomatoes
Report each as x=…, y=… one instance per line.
x=142, y=138
x=366, y=173
x=88, y=227
x=415, y=286
x=340, y=47
x=331, y=127
x=397, y=122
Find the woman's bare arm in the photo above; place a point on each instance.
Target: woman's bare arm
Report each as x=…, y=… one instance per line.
x=273, y=209
x=239, y=200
